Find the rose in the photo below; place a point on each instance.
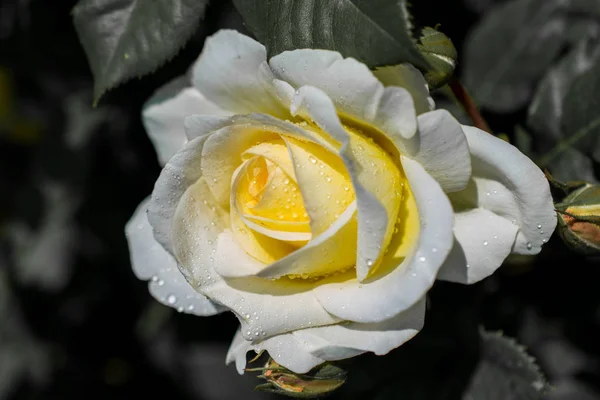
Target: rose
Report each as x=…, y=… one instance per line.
x=318, y=204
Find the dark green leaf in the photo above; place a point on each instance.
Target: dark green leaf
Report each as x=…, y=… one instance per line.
x=573, y=165
x=581, y=113
x=515, y=44
x=546, y=109
x=130, y=38
x=505, y=372
x=375, y=32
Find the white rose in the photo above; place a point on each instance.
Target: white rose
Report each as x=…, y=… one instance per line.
x=319, y=201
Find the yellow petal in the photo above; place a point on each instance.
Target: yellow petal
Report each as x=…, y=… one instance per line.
x=324, y=183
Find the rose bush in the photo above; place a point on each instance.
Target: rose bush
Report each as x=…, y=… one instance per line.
x=319, y=201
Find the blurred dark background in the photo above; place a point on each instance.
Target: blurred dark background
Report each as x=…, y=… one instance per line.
x=76, y=323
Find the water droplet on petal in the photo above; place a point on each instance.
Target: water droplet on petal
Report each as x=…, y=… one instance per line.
x=172, y=299
x=485, y=243
x=529, y=246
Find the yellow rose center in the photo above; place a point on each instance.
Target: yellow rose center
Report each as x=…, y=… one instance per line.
x=289, y=191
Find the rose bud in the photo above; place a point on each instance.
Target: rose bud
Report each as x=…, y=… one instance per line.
x=579, y=219
x=320, y=381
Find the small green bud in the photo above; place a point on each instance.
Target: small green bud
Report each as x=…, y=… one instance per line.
x=320, y=381
x=439, y=51
x=579, y=216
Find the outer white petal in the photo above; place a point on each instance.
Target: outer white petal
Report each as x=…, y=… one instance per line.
x=284, y=349
x=182, y=170
x=381, y=297
x=232, y=71
x=302, y=350
x=150, y=261
x=483, y=241
x=511, y=185
x=443, y=150
x=352, y=87
x=337, y=342
x=237, y=352
x=164, y=113
x=265, y=308
x=409, y=78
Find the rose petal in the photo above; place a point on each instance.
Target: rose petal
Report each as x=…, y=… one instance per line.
x=509, y=184
x=265, y=308
x=237, y=138
x=443, y=150
x=324, y=183
x=182, y=170
x=261, y=247
x=337, y=342
x=375, y=184
x=333, y=250
x=284, y=348
x=354, y=90
x=150, y=261
x=483, y=241
x=304, y=349
x=408, y=77
x=164, y=112
x=233, y=72
x=406, y=278
x=224, y=150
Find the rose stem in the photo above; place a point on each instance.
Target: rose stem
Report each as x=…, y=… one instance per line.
x=469, y=105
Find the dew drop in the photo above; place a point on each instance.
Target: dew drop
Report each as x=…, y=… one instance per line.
x=369, y=263
x=422, y=259
x=160, y=282
x=539, y=226
x=312, y=159
x=485, y=243
x=529, y=246
x=172, y=299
